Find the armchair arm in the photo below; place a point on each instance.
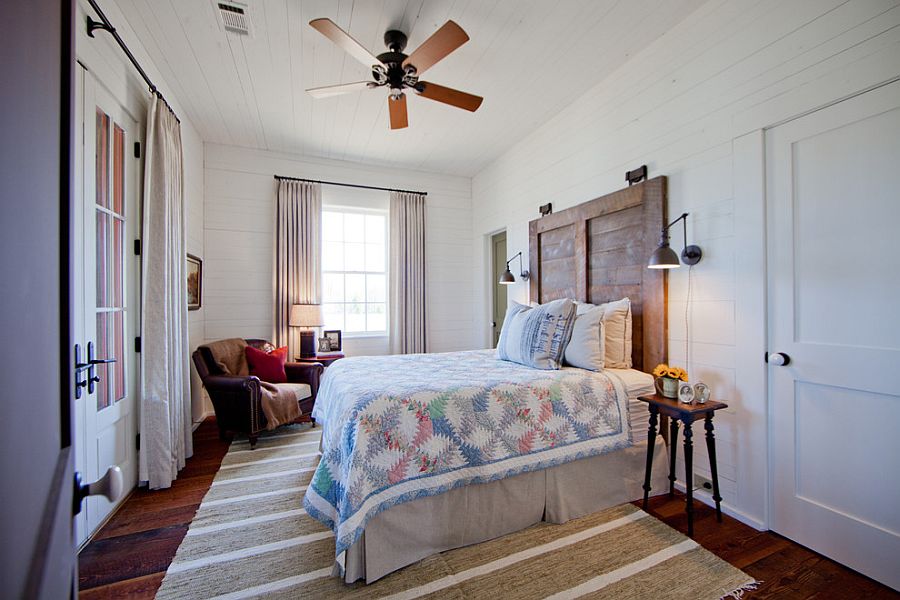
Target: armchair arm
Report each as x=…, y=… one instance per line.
x=236, y=400
x=234, y=384
x=309, y=373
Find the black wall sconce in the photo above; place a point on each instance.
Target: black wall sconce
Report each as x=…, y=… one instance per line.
x=665, y=258
x=508, y=278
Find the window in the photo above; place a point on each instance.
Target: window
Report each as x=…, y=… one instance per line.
x=354, y=270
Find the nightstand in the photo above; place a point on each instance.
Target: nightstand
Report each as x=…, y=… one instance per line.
x=326, y=359
x=687, y=414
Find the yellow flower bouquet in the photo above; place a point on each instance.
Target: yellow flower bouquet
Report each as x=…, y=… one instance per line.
x=667, y=379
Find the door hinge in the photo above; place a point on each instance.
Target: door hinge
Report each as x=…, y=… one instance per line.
x=137, y=344
x=137, y=149
x=137, y=247
x=137, y=441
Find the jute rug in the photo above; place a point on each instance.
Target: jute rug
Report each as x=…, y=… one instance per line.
x=251, y=538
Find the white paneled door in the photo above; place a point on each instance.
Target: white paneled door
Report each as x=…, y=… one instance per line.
x=833, y=193
x=107, y=277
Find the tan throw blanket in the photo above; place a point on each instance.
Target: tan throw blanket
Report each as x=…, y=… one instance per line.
x=280, y=402
x=230, y=356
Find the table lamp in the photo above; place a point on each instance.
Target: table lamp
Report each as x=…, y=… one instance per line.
x=308, y=316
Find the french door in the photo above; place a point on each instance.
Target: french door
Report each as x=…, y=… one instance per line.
x=833, y=206
x=107, y=279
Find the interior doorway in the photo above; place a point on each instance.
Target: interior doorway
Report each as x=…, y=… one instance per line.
x=498, y=294
x=834, y=336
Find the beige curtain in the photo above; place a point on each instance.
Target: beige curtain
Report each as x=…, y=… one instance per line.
x=165, y=377
x=407, y=298
x=297, y=272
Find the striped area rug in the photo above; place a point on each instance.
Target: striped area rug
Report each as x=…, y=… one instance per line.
x=251, y=538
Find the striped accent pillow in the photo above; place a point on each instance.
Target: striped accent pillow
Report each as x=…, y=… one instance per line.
x=537, y=337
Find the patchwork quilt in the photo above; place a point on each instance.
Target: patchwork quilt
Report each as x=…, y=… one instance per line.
x=397, y=428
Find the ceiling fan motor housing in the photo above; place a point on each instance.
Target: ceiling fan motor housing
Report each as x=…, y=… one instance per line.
x=393, y=73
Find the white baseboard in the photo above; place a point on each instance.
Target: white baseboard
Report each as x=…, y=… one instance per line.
x=203, y=417
x=706, y=498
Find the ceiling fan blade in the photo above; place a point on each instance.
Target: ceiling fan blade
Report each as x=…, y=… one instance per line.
x=337, y=90
x=329, y=29
x=456, y=98
x=397, y=108
x=441, y=43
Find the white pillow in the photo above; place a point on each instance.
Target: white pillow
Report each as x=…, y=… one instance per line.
x=617, y=329
x=537, y=337
x=586, y=347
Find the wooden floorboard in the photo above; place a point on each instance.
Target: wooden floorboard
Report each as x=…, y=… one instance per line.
x=128, y=557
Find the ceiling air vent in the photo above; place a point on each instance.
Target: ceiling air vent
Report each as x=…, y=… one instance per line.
x=234, y=17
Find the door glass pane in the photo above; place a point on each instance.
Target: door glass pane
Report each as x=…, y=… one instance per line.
x=118, y=170
x=102, y=169
x=102, y=371
x=102, y=241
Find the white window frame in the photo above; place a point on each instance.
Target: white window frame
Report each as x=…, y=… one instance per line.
x=345, y=209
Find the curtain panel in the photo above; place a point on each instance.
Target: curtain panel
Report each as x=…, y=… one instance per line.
x=407, y=274
x=165, y=376
x=297, y=273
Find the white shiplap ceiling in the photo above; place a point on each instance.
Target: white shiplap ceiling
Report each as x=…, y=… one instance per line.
x=529, y=59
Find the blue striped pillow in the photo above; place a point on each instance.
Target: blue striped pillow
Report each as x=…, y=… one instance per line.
x=537, y=337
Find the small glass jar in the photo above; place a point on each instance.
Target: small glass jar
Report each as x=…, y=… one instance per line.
x=685, y=393
x=701, y=392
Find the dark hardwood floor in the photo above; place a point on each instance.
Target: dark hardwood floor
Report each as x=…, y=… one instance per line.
x=129, y=555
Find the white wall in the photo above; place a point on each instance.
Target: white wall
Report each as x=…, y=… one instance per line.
x=105, y=60
x=238, y=239
x=730, y=68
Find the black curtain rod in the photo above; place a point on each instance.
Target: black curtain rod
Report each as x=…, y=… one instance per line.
x=353, y=185
x=105, y=25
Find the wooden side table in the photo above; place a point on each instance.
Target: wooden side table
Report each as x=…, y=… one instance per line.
x=687, y=414
x=325, y=359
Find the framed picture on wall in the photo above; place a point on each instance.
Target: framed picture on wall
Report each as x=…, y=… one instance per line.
x=334, y=339
x=194, y=281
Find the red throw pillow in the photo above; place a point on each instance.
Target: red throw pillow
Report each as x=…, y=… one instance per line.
x=268, y=366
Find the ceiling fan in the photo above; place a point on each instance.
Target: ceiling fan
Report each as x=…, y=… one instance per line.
x=399, y=71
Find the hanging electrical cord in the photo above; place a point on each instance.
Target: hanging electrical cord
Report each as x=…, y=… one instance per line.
x=687, y=321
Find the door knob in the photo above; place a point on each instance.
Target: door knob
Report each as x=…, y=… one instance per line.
x=110, y=485
x=779, y=359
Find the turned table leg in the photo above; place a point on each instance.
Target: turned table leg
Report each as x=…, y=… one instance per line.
x=689, y=474
x=673, y=451
x=651, y=444
x=711, y=450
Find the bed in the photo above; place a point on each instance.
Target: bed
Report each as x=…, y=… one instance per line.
x=417, y=461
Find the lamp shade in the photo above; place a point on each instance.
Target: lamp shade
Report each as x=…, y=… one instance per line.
x=507, y=278
x=663, y=258
x=306, y=315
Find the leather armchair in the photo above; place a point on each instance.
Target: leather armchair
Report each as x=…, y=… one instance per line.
x=236, y=399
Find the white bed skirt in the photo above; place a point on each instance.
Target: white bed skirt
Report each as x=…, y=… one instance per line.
x=409, y=532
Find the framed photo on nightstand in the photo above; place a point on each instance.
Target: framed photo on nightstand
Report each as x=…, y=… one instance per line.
x=334, y=339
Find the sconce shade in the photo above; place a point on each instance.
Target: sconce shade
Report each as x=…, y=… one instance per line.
x=306, y=315
x=507, y=278
x=663, y=258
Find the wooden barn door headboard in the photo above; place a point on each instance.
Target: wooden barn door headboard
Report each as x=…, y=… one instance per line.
x=598, y=251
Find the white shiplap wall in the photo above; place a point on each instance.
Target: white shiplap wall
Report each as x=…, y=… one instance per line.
x=103, y=58
x=239, y=218
x=728, y=69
